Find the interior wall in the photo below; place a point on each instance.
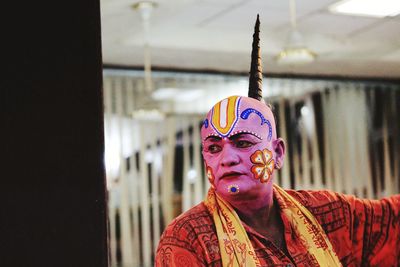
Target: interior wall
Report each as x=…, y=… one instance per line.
x=337, y=134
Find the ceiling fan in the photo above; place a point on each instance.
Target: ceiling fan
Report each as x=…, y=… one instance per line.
x=295, y=52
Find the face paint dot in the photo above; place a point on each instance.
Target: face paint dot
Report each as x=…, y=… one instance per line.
x=233, y=189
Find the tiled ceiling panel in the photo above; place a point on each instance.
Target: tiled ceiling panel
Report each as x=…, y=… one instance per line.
x=216, y=35
x=336, y=25
x=384, y=30
x=393, y=56
x=242, y=18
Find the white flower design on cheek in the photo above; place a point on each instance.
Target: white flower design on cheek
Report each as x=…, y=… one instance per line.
x=263, y=165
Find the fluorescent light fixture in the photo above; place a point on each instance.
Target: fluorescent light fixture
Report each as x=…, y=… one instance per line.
x=164, y=93
x=186, y=95
x=370, y=8
x=178, y=95
x=148, y=115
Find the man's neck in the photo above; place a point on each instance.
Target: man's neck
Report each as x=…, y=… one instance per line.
x=265, y=220
x=257, y=213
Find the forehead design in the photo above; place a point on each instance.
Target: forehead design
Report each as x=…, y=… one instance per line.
x=237, y=114
x=224, y=115
x=246, y=113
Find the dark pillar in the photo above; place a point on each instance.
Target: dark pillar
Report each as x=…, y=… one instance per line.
x=53, y=196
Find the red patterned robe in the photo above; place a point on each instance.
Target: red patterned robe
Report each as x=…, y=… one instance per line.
x=362, y=233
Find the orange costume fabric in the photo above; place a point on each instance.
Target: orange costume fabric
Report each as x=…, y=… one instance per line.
x=362, y=233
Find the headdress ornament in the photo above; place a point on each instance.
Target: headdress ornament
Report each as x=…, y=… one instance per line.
x=255, y=78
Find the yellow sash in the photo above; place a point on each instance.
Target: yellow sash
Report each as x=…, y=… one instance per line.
x=236, y=248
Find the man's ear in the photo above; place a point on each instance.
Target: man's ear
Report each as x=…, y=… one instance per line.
x=279, y=149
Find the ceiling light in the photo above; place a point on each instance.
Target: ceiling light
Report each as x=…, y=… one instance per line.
x=146, y=8
x=371, y=8
x=164, y=93
x=148, y=115
x=295, y=56
x=189, y=95
x=178, y=95
x=295, y=52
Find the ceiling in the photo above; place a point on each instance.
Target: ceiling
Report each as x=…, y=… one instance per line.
x=216, y=35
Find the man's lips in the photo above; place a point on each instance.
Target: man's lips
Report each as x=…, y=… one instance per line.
x=230, y=174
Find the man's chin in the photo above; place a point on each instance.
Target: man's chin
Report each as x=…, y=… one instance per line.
x=238, y=188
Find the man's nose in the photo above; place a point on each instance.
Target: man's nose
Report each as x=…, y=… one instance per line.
x=229, y=157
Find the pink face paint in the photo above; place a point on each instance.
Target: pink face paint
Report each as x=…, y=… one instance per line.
x=235, y=133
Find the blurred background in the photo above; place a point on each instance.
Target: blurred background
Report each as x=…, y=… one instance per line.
x=331, y=72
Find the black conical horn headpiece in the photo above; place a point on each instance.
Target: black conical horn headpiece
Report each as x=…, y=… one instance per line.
x=255, y=79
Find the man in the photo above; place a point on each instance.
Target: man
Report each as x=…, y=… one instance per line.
x=246, y=220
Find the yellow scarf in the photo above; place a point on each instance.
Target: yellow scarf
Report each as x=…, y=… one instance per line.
x=236, y=248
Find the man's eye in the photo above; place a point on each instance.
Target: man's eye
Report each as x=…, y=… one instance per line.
x=243, y=144
x=214, y=148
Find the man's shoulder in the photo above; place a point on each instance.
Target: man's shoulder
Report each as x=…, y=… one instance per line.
x=191, y=238
x=195, y=217
x=318, y=198
x=333, y=211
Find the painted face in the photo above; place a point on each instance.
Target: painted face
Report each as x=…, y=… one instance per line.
x=237, y=137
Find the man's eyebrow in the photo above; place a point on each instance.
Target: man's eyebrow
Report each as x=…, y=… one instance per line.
x=238, y=135
x=213, y=138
